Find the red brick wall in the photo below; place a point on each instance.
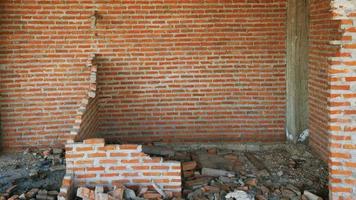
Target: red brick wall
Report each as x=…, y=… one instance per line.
x=172, y=70
x=323, y=30
x=342, y=106
x=44, y=47
x=193, y=71
x=92, y=162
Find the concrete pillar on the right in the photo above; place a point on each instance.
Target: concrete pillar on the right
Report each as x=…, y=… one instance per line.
x=297, y=68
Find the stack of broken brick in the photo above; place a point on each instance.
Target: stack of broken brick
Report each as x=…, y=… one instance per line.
x=122, y=192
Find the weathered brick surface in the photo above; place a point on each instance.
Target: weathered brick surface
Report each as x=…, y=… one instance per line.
x=169, y=70
x=323, y=29
x=342, y=105
x=92, y=162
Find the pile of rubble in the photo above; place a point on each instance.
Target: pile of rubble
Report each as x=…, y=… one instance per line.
x=215, y=174
x=286, y=172
x=33, y=174
x=122, y=192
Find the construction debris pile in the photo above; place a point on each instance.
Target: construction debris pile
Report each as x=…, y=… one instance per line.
x=121, y=192
x=33, y=174
x=209, y=173
x=281, y=173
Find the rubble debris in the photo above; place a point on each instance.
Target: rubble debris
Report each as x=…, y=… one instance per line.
x=280, y=175
x=32, y=193
x=197, y=182
x=120, y=193
x=129, y=194
x=311, y=196
x=187, y=166
x=159, y=190
x=85, y=193
x=239, y=195
x=28, y=175
x=217, y=172
x=212, y=151
x=158, y=151
x=142, y=190
x=210, y=173
x=303, y=136
x=117, y=193
x=255, y=161
x=213, y=161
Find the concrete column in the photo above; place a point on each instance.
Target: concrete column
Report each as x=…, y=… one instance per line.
x=297, y=68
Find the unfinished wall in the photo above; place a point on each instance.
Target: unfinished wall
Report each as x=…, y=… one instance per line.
x=92, y=163
x=342, y=105
x=170, y=70
x=193, y=71
x=323, y=29
x=87, y=118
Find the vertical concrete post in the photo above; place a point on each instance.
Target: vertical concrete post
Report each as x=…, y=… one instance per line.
x=297, y=68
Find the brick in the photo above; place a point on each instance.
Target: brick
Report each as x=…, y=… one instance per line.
x=120, y=182
x=128, y=147
x=159, y=167
x=108, y=148
x=108, y=161
x=130, y=161
x=83, y=162
x=96, y=155
x=133, y=174
x=84, y=148
x=152, y=173
x=94, y=141
x=119, y=154
x=153, y=160
x=95, y=169
x=118, y=168
x=109, y=174
x=74, y=156
x=83, y=176
x=140, y=167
